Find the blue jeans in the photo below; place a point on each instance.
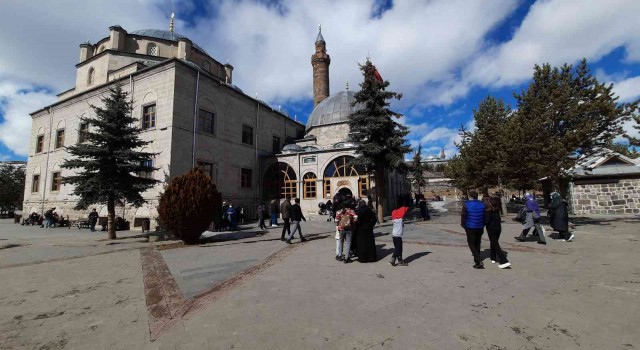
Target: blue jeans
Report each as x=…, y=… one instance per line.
x=274, y=219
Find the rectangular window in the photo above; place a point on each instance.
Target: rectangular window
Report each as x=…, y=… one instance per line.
x=245, y=178
x=206, y=168
x=205, y=121
x=35, y=185
x=309, y=188
x=327, y=188
x=56, y=181
x=40, y=144
x=247, y=135
x=276, y=144
x=60, y=138
x=83, y=132
x=146, y=174
x=149, y=117
x=363, y=184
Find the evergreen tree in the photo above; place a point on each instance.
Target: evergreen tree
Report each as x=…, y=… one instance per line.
x=417, y=170
x=12, y=180
x=381, y=140
x=108, y=163
x=564, y=113
x=484, y=148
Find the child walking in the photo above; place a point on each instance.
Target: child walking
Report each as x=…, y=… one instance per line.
x=397, y=217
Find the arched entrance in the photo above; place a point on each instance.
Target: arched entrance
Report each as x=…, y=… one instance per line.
x=345, y=192
x=342, y=167
x=280, y=181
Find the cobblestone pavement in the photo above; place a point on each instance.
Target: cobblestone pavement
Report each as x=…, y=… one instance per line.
x=70, y=289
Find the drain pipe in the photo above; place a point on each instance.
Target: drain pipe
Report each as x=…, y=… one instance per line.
x=46, y=167
x=257, y=166
x=195, y=119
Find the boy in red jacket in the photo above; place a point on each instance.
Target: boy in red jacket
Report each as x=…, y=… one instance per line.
x=397, y=217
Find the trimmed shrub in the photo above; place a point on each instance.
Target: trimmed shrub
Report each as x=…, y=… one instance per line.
x=189, y=204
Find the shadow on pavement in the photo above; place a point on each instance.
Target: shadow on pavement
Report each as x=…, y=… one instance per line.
x=382, y=252
x=416, y=256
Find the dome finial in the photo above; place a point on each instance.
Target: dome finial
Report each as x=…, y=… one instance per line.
x=346, y=85
x=320, y=38
x=171, y=23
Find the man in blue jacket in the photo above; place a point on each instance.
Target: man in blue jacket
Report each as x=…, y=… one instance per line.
x=472, y=221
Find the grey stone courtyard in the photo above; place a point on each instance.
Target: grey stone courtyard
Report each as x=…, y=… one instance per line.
x=72, y=289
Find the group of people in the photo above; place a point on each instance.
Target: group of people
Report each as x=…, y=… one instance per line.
x=478, y=215
x=231, y=216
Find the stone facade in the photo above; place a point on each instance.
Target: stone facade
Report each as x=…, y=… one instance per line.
x=179, y=89
x=622, y=197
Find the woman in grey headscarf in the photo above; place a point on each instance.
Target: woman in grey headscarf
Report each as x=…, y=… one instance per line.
x=532, y=220
x=559, y=216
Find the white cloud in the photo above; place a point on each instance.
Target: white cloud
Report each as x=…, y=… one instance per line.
x=554, y=31
x=16, y=102
x=627, y=90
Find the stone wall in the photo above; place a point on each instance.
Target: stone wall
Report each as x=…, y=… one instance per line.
x=611, y=198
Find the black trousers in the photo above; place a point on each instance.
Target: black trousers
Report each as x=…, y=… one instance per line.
x=474, y=238
x=286, y=227
x=497, y=254
x=261, y=224
x=397, y=245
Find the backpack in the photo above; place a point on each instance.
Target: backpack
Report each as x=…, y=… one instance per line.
x=345, y=221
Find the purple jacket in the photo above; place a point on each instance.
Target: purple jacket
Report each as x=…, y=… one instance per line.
x=533, y=206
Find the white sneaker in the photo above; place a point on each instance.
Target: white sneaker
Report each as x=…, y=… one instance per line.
x=570, y=238
x=493, y=261
x=504, y=266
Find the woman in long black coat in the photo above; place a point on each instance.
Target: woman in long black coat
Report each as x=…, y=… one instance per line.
x=364, y=233
x=559, y=216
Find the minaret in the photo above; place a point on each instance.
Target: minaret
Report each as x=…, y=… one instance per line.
x=171, y=22
x=320, y=62
x=442, y=156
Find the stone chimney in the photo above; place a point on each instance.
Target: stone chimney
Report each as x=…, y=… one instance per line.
x=117, y=37
x=320, y=61
x=184, y=48
x=86, y=51
x=228, y=69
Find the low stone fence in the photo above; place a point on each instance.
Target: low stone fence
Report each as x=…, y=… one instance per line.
x=622, y=197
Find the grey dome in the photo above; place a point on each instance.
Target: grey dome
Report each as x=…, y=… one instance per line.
x=292, y=148
x=333, y=109
x=165, y=35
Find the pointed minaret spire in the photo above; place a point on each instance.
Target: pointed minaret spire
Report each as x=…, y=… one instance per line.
x=442, y=156
x=320, y=38
x=171, y=23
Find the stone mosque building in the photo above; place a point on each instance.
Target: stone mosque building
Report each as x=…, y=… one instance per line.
x=194, y=116
x=317, y=166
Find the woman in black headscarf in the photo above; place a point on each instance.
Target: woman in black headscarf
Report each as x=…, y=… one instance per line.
x=364, y=233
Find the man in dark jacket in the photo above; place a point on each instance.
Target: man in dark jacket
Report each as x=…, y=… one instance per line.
x=296, y=215
x=286, y=216
x=93, y=220
x=472, y=221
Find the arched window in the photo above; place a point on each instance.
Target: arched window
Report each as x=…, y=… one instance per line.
x=342, y=167
x=152, y=49
x=279, y=181
x=91, y=76
x=309, y=189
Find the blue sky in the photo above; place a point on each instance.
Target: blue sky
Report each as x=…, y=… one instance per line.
x=444, y=55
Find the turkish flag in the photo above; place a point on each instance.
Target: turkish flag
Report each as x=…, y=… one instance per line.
x=377, y=75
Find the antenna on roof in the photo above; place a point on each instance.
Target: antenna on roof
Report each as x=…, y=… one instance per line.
x=171, y=23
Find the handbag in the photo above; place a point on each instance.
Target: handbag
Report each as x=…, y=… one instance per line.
x=522, y=215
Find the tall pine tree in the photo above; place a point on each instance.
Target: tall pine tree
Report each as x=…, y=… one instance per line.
x=109, y=162
x=565, y=112
x=381, y=140
x=417, y=170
